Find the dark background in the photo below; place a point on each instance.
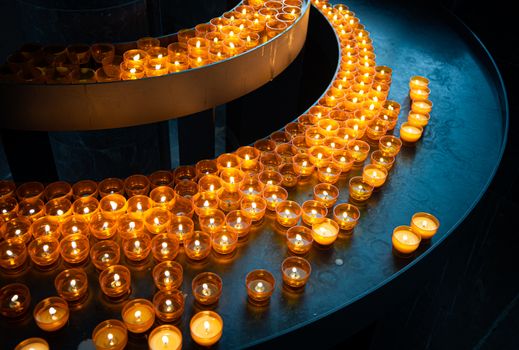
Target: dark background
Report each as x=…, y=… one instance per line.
x=470, y=300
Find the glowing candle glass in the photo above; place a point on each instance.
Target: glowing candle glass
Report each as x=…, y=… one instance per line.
x=182, y=227
x=138, y=315
x=329, y=174
x=183, y=207
x=288, y=213
x=421, y=106
x=58, y=189
x=198, y=245
x=207, y=288
x=319, y=156
x=251, y=186
x=389, y=145
x=103, y=226
x=204, y=202
x=224, y=242
x=231, y=178
x=228, y=160
x=165, y=246
x=299, y=239
x=105, y=254
x=74, y=248
x=73, y=225
x=410, y=133
x=136, y=185
x=418, y=119
x=157, y=220
x=111, y=185
x=382, y=161
x=346, y=215
x=212, y=221
x=210, y=183
x=418, y=82
x=424, y=224
x=253, y=207
x=110, y=335
x=169, y=305
x=44, y=251
x=419, y=94
x=7, y=189
x=260, y=286
x=115, y=281
x=374, y=175
x=51, y=314
x=131, y=71
x=9, y=208
x=71, y=284
x=15, y=300
x=313, y=212
x=85, y=207
x=325, y=232
x=237, y=223
x=32, y=210
x=16, y=230
x=33, y=344
x=113, y=205
x=138, y=247
x=229, y=200
x=186, y=188
x=326, y=194
x=359, y=190
x=58, y=209
x=165, y=337
x=30, y=191
x=296, y=272
x=206, y=328
x=274, y=195
x=168, y=275
x=404, y=240
x=358, y=150
x=302, y=164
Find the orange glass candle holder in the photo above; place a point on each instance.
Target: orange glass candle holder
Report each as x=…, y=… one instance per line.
x=165, y=246
x=382, y=161
x=16, y=230
x=228, y=160
x=260, y=286
x=113, y=205
x=302, y=164
x=157, y=220
x=204, y=202
x=136, y=185
x=410, y=133
x=58, y=189
x=206, y=328
x=360, y=191
x=342, y=159
x=160, y=178
x=212, y=221
x=44, y=251
x=209, y=183
x=418, y=119
x=319, y=156
x=115, y=281
x=251, y=186
x=229, y=200
x=326, y=194
x=358, y=150
x=135, y=57
x=418, y=82
x=231, y=178
x=314, y=137
x=132, y=71
x=9, y=208
x=139, y=204
x=163, y=196
x=138, y=315
x=105, y=254
x=377, y=129
x=183, y=207
x=325, y=232
x=85, y=207
x=328, y=127
x=73, y=225
x=238, y=223
x=110, y=335
x=419, y=94
x=103, y=226
x=168, y=275
x=404, y=240
x=274, y=195
x=138, y=247
x=329, y=174
x=296, y=272
x=165, y=337
x=421, y=106
x=33, y=343
x=182, y=227
x=7, y=189
x=74, y=248
x=58, y=209
x=186, y=188
x=313, y=212
x=71, y=284
x=288, y=213
x=374, y=175
x=51, y=314
x=15, y=300
x=207, y=288
x=265, y=145
x=30, y=191
x=290, y=176
x=389, y=145
x=253, y=207
x=224, y=242
x=286, y=151
x=346, y=215
x=424, y=224
x=110, y=185
x=169, y=305
x=299, y=239
x=198, y=245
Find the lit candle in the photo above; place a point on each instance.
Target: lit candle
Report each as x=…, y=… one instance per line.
x=207, y=288
x=422, y=106
x=253, y=207
x=374, y=175
x=157, y=220
x=113, y=205
x=346, y=215
x=296, y=272
x=389, y=145
x=418, y=119
x=410, y=133
x=44, y=251
x=169, y=305
x=198, y=245
x=15, y=300
x=299, y=239
x=326, y=194
x=182, y=226
x=165, y=246
x=212, y=221
x=102, y=226
x=302, y=164
x=329, y=174
x=325, y=232
x=33, y=344
x=404, y=240
x=224, y=242
x=74, y=248
x=115, y=281
x=104, y=254
x=358, y=150
x=260, y=286
x=51, y=314
x=238, y=223
x=138, y=315
x=319, y=156
x=206, y=328
x=71, y=284
x=359, y=190
x=12, y=255
x=162, y=196
x=424, y=224
x=419, y=94
x=138, y=247
x=418, y=82
x=288, y=213
x=168, y=275
x=313, y=212
x=110, y=335
x=274, y=195
x=165, y=337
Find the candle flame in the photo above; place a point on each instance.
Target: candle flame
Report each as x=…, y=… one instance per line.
x=328, y=170
x=198, y=44
x=206, y=203
x=137, y=57
x=73, y=245
x=9, y=252
x=253, y=204
x=197, y=243
x=131, y=225
x=133, y=70
x=158, y=66
x=225, y=240
x=14, y=298
x=298, y=237
x=165, y=340
x=356, y=148
x=215, y=40
x=59, y=212
x=52, y=311
x=207, y=326
x=319, y=155
x=325, y=193
x=113, y=205
x=138, y=315
x=180, y=227
x=238, y=220
x=156, y=221
x=116, y=277
x=305, y=163
x=164, y=245
x=73, y=283
x=45, y=248
x=211, y=221
x=199, y=59
x=231, y=180
x=137, y=244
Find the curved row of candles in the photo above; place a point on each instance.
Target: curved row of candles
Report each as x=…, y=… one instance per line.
x=230, y=193
x=245, y=27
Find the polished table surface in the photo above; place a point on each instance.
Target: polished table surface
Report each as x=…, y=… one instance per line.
x=445, y=174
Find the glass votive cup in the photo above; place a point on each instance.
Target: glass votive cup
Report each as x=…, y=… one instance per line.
x=30, y=191
x=286, y=151
x=46, y=226
x=325, y=232
x=410, y=133
x=346, y=215
x=227, y=160
x=84, y=188
x=421, y=106
x=162, y=196
x=165, y=246
x=111, y=185
x=274, y=195
x=418, y=82
x=313, y=212
x=374, y=175
x=270, y=160
x=404, y=240
x=182, y=227
x=17, y=230
x=71, y=284
x=209, y=183
x=206, y=328
x=270, y=177
x=253, y=207
x=157, y=67
x=314, y=137
x=102, y=226
x=238, y=223
x=102, y=51
x=424, y=224
x=13, y=255
x=302, y=164
x=157, y=220
x=85, y=207
x=295, y=129
x=115, y=281
x=44, y=250
x=382, y=161
x=328, y=127
x=58, y=189
x=169, y=305
x=15, y=300
x=358, y=150
x=7, y=189
x=168, y=275
x=51, y=314
x=183, y=207
x=419, y=94
x=342, y=160
x=212, y=221
x=329, y=174
x=138, y=315
x=75, y=224
x=113, y=205
x=376, y=130
x=110, y=335
x=290, y=176
x=295, y=271
x=186, y=188
x=33, y=343
x=206, y=167
x=326, y=194
x=198, y=245
x=418, y=119
x=229, y=200
x=360, y=191
x=288, y=213
x=138, y=247
x=319, y=156
x=260, y=286
x=128, y=226
x=9, y=208
x=231, y=178
x=204, y=202
x=265, y=145
x=299, y=239
x=207, y=288
x=251, y=186
x=138, y=205
x=58, y=209
x=224, y=242
x=160, y=178
x=78, y=53
x=135, y=58
x=136, y=185
x=74, y=248
x=389, y=145
x=105, y=254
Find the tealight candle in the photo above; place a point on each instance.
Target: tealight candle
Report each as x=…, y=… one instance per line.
x=15, y=300
x=111, y=185
x=58, y=189
x=110, y=335
x=346, y=215
x=182, y=227
x=85, y=207
x=105, y=254
x=377, y=129
x=225, y=242
x=51, y=314
x=206, y=328
x=168, y=275
x=212, y=221
x=288, y=213
x=325, y=232
x=389, y=145
x=326, y=194
x=424, y=224
x=260, y=286
x=115, y=281
x=359, y=190
x=418, y=119
x=33, y=344
x=160, y=178
x=329, y=174
x=238, y=223
x=228, y=160
x=270, y=177
x=286, y=151
x=130, y=71
x=161, y=196
x=358, y=150
x=165, y=337
x=113, y=205
x=302, y=164
x=374, y=175
x=103, y=226
x=404, y=240
x=44, y=251
x=157, y=220
x=74, y=248
x=184, y=172
x=138, y=247
x=419, y=94
x=251, y=186
x=186, y=188
x=198, y=245
x=418, y=82
x=32, y=210
x=183, y=207
x=9, y=208
x=84, y=189
x=7, y=189
x=382, y=161
x=204, y=202
x=58, y=209
x=209, y=183
x=319, y=156
x=30, y=191
x=169, y=305
x=314, y=137
x=74, y=225
x=299, y=239
x=296, y=272
x=342, y=159
x=410, y=133
x=313, y=212
x=265, y=145
x=136, y=185
x=422, y=106
x=207, y=288
x=165, y=246
x=253, y=207
x=16, y=230
x=274, y=195
x=138, y=315
x=71, y=284
x=229, y=200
